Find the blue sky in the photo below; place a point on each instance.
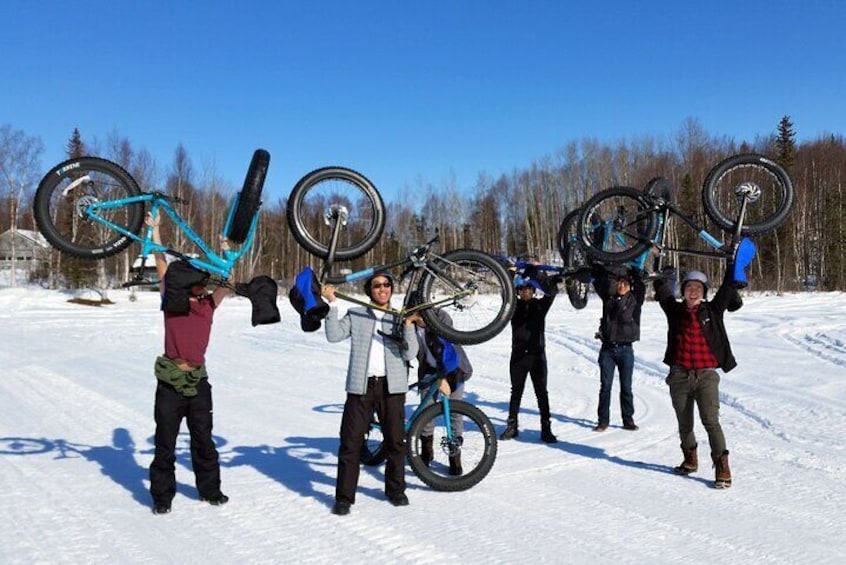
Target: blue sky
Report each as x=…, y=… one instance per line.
x=410, y=91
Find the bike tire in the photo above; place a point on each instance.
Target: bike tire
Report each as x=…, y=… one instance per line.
x=477, y=449
x=248, y=201
x=315, y=194
x=617, y=224
x=765, y=214
x=577, y=291
x=659, y=187
x=478, y=316
x=567, y=234
x=62, y=219
x=373, y=449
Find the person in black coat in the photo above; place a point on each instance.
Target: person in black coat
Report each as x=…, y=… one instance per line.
x=528, y=355
x=622, y=292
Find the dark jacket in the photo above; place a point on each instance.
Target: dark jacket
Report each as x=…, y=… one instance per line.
x=620, y=322
x=529, y=320
x=710, y=314
x=431, y=342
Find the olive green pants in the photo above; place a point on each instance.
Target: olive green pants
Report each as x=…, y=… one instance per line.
x=700, y=386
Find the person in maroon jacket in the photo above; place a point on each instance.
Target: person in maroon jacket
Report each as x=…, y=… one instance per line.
x=697, y=345
x=183, y=389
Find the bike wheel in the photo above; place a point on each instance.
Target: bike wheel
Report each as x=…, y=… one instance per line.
x=567, y=234
x=318, y=194
x=474, y=289
x=373, y=451
x=617, y=224
x=577, y=291
x=767, y=183
x=659, y=187
x=248, y=201
x=473, y=443
x=69, y=190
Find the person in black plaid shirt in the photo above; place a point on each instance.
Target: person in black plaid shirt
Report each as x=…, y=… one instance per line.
x=697, y=345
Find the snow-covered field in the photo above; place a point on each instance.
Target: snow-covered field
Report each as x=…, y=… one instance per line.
x=76, y=424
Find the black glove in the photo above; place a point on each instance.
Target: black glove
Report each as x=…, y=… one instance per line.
x=556, y=279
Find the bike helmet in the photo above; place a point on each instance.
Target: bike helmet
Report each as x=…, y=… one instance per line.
x=697, y=276
x=369, y=280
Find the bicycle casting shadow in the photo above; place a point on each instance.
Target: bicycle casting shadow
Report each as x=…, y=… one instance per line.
x=299, y=466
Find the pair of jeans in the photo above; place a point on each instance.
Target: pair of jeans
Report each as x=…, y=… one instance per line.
x=171, y=407
x=620, y=357
x=702, y=387
x=358, y=412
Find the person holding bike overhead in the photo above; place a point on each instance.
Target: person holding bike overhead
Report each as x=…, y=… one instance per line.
x=438, y=356
x=183, y=389
x=528, y=347
x=622, y=292
x=377, y=380
x=697, y=345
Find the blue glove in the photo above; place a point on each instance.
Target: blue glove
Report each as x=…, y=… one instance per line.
x=743, y=256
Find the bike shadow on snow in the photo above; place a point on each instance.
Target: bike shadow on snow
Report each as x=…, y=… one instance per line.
x=533, y=436
x=526, y=414
x=301, y=465
x=116, y=461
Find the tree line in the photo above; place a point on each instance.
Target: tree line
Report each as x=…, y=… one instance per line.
x=510, y=214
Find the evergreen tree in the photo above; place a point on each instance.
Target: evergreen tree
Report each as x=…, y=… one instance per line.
x=786, y=143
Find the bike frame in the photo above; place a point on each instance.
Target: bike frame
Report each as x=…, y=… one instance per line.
x=432, y=392
x=211, y=262
x=657, y=243
x=413, y=263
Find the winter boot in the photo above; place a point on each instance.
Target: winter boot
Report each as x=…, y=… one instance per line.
x=723, y=473
x=427, y=452
x=455, y=465
x=511, y=430
x=546, y=433
x=690, y=463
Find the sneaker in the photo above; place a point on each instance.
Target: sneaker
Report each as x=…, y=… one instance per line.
x=600, y=427
x=218, y=499
x=399, y=500
x=631, y=426
x=161, y=508
x=341, y=508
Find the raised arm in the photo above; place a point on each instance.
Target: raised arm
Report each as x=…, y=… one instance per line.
x=161, y=261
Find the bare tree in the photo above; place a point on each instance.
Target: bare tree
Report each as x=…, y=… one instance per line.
x=19, y=176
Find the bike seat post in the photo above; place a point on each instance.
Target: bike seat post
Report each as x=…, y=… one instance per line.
x=335, y=218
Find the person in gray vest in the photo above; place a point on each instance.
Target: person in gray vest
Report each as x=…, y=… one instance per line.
x=377, y=380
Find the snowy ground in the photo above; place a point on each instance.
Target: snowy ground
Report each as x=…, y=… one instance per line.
x=76, y=407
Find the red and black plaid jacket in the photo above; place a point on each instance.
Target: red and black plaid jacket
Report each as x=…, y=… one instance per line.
x=692, y=350
x=710, y=318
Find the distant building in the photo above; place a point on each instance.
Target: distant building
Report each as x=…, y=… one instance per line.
x=28, y=248
x=149, y=273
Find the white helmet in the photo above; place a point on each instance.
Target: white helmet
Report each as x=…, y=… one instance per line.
x=697, y=276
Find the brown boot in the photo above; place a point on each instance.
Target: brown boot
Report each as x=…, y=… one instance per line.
x=690, y=463
x=723, y=473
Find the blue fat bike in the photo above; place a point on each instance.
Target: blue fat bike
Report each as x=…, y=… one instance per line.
x=745, y=195
x=336, y=214
x=91, y=208
x=460, y=432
